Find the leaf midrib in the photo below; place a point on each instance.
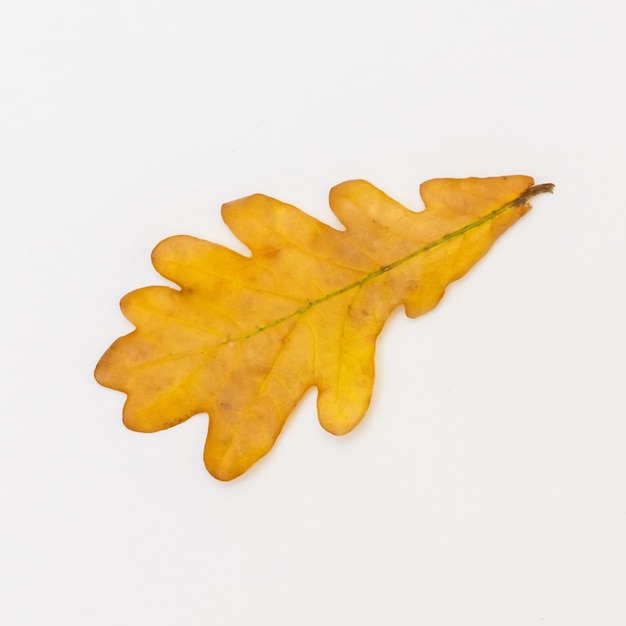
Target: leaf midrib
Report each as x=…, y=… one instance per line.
x=520, y=200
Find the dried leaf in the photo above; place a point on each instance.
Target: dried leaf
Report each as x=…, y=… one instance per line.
x=245, y=337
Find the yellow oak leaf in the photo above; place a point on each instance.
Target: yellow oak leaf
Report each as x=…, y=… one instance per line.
x=246, y=336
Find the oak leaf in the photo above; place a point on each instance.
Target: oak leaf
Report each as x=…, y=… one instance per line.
x=246, y=336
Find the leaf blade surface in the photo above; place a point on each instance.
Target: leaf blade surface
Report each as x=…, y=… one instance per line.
x=245, y=337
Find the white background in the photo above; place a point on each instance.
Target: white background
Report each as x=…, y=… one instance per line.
x=487, y=484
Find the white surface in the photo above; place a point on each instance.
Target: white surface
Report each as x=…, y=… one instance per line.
x=487, y=484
